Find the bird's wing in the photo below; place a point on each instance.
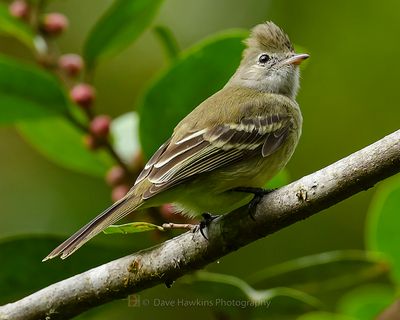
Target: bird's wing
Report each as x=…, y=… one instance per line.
x=212, y=148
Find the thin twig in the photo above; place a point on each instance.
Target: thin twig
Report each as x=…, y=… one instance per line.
x=76, y=123
x=185, y=226
x=107, y=146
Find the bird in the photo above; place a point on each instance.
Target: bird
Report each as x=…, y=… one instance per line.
x=226, y=148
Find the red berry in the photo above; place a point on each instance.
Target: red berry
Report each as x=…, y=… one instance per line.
x=100, y=126
x=54, y=23
x=19, y=9
x=71, y=63
x=168, y=211
x=116, y=176
x=119, y=192
x=82, y=94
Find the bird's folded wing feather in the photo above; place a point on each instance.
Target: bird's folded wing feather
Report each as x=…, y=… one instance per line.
x=212, y=148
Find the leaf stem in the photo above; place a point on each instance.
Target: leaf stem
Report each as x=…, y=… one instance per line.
x=107, y=146
x=76, y=123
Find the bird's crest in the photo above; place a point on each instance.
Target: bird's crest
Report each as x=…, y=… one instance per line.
x=269, y=37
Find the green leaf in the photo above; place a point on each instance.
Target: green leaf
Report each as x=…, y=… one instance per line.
x=22, y=272
x=383, y=221
x=125, y=136
x=132, y=227
x=168, y=41
x=27, y=92
x=197, y=74
x=324, y=272
x=11, y=26
x=118, y=28
x=57, y=139
x=366, y=302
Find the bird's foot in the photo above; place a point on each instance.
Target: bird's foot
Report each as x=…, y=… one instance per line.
x=258, y=194
x=169, y=283
x=202, y=226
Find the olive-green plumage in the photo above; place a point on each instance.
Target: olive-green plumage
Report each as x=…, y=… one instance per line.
x=239, y=137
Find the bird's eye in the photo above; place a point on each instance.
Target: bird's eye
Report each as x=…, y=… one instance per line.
x=264, y=58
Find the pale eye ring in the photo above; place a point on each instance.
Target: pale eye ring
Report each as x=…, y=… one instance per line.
x=263, y=58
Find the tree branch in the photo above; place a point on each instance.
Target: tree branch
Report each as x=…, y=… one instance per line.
x=190, y=251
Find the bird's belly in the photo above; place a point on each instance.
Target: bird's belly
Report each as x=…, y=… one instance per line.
x=212, y=192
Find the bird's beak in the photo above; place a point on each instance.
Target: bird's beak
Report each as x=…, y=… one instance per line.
x=295, y=59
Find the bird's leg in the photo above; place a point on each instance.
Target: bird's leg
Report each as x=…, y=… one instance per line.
x=207, y=219
x=258, y=194
x=169, y=283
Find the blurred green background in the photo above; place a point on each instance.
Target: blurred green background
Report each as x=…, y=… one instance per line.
x=349, y=98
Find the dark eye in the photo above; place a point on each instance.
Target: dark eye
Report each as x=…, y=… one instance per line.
x=264, y=58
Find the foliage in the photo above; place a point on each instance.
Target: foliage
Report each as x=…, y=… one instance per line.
x=27, y=93
x=132, y=227
x=22, y=274
x=220, y=53
x=118, y=28
x=15, y=28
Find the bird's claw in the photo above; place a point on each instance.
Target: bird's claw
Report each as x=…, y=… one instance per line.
x=258, y=194
x=207, y=219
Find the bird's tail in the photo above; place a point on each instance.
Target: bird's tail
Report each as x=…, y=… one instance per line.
x=114, y=213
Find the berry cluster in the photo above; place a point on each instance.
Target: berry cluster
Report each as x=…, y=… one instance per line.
x=71, y=69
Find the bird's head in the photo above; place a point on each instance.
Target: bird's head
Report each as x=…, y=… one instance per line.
x=269, y=63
